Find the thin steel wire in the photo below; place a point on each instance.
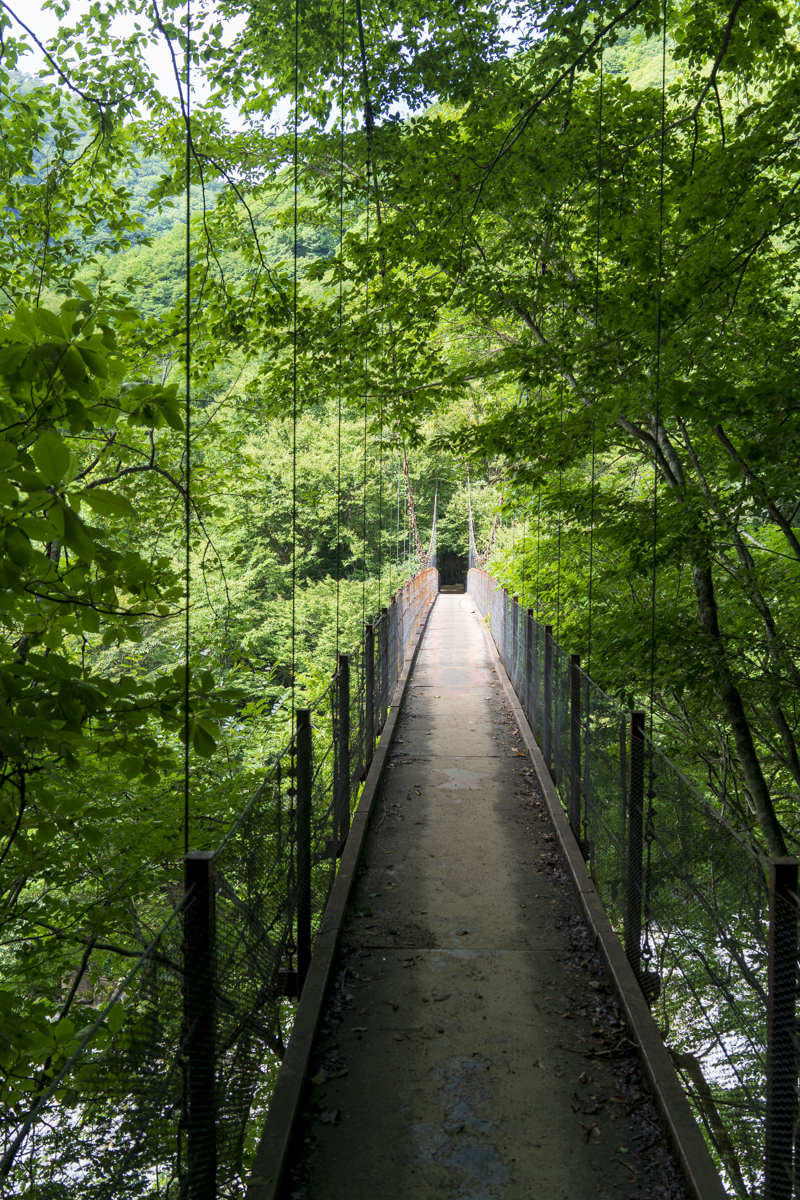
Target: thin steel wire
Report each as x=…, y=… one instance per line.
x=590, y=597
x=188, y=442
x=341, y=301
x=658, y=360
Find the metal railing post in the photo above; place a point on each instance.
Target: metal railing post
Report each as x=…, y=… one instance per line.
x=528, y=665
x=504, y=634
x=341, y=815
x=199, y=1014
x=547, y=716
x=514, y=643
x=384, y=660
x=575, y=744
x=633, y=883
x=369, y=694
x=781, y=1097
x=391, y=634
x=303, y=819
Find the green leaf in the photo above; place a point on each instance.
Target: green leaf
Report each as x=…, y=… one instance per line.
x=108, y=504
x=116, y=1017
x=48, y=323
x=24, y=325
x=8, y=493
x=51, y=457
x=76, y=536
x=17, y=546
x=30, y=482
x=82, y=290
x=94, y=361
x=63, y=1029
x=73, y=369
x=89, y=620
x=37, y=528
x=203, y=742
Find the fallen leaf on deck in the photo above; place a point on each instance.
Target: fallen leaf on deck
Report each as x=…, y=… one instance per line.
x=439, y=999
x=330, y=1116
x=319, y=1078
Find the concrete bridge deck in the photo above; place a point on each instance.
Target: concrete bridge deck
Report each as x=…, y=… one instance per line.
x=470, y=1046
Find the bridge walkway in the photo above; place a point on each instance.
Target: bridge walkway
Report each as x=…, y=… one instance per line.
x=469, y=1047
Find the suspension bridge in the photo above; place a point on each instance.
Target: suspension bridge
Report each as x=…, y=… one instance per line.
x=482, y=924
x=467, y=1044
x=473, y=934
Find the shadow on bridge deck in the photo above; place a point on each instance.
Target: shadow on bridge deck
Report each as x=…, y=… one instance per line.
x=469, y=1047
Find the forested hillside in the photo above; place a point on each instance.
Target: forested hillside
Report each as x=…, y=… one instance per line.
x=563, y=263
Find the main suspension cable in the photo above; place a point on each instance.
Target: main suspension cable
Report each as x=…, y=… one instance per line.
x=294, y=357
x=339, y=434
x=596, y=335
x=657, y=414
x=187, y=444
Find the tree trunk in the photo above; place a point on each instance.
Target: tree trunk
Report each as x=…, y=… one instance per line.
x=734, y=708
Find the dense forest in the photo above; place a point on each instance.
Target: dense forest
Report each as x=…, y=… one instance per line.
x=549, y=249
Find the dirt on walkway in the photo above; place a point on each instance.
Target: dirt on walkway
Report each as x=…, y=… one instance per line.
x=470, y=1047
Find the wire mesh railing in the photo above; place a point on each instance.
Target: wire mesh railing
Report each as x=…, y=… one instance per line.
x=163, y=1090
x=688, y=897
x=107, y=1094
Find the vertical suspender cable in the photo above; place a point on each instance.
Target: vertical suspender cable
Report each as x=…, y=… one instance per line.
x=293, y=848
x=472, y=551
x=657, y=414
x=380, y=507
x=558, y=569
x=368, y=128
x=188, y=443
x=647, y=950
x=596, y=334
x=294, y=359
x=339, y=437
x=366, y=386
x=397, y=522
x=406, y=530
x=524, y=548
x=538, y=541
